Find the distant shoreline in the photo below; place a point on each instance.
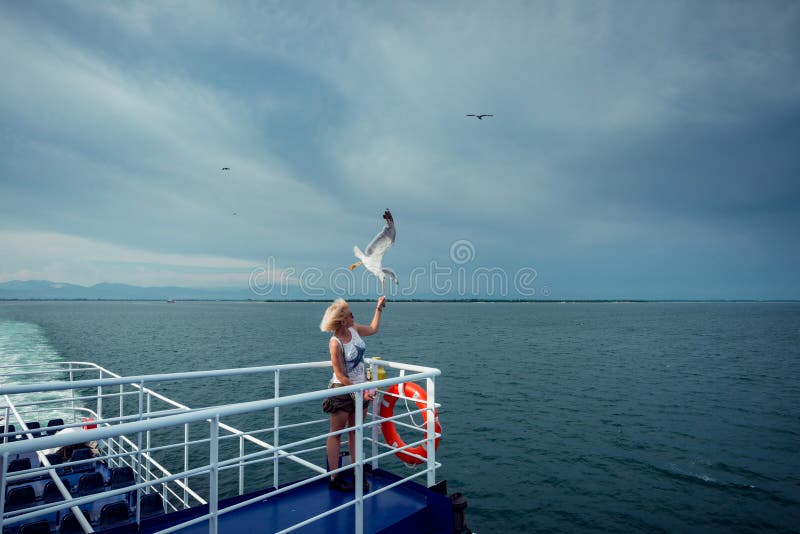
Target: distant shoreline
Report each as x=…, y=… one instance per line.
x=434, y=301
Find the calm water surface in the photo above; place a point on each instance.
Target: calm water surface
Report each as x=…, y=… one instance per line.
x=556, y=417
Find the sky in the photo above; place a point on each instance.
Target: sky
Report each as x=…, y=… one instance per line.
x=642, y=150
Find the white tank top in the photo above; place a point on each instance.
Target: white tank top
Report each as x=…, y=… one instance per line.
x=353, y=352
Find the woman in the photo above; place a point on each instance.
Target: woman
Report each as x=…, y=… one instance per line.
x=347, y=357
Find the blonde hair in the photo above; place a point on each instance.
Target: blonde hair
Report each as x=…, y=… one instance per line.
x=334, y=315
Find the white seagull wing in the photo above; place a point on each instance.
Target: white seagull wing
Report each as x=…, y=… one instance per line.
x=384, y=240
x=381, y=242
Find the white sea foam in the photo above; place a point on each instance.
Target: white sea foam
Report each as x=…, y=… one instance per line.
x=25, y=347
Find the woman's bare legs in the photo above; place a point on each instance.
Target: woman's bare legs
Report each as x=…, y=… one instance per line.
x=333, y=444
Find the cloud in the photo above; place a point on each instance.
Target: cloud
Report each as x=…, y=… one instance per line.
x=617, y=127
x=59, y=257
x=118, y=151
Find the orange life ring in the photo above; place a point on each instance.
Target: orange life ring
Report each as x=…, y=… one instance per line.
x=390, y=431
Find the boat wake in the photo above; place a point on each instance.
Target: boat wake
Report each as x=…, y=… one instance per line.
x=26, y=347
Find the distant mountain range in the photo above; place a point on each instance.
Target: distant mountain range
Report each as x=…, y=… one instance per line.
x=47, y=290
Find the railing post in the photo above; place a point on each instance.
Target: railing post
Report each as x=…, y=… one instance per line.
x=431, y=431
x=72, y=392
x=357, y=457
x=139, y=442
x=138, y=504
x=375, y=413
x=185, y=465
x=121, y=397
x=5, y=430
x=109, y=443
x=3, y=468
x=213, y=483
x=276, y=432
x=149, y=466
x=241, y=465
x=100, y=398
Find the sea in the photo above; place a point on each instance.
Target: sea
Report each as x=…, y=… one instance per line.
x=556, y=417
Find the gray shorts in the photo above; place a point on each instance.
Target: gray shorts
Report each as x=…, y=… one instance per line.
x=341, y=403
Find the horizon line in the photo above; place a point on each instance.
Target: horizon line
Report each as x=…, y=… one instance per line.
x=412, y=300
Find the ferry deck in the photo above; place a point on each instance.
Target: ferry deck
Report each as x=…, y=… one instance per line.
x=83, y=449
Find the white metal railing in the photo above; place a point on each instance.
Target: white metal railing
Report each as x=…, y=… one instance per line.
x=125, y=439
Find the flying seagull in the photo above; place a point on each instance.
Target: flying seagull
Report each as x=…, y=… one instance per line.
x=479, y=117
x=226, y=168
x=372, y=258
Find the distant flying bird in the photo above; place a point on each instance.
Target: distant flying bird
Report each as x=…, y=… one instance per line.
x=373, y=257
x=479, y=117
x=226, y=168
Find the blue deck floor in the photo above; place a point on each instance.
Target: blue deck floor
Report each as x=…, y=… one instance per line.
x=405, y=508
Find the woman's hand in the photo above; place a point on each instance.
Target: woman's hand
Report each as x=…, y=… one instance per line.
x=381, y=303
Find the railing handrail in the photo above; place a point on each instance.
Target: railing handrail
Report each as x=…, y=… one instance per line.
x=145, y=379
x=184, y=375
x=202, y=414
